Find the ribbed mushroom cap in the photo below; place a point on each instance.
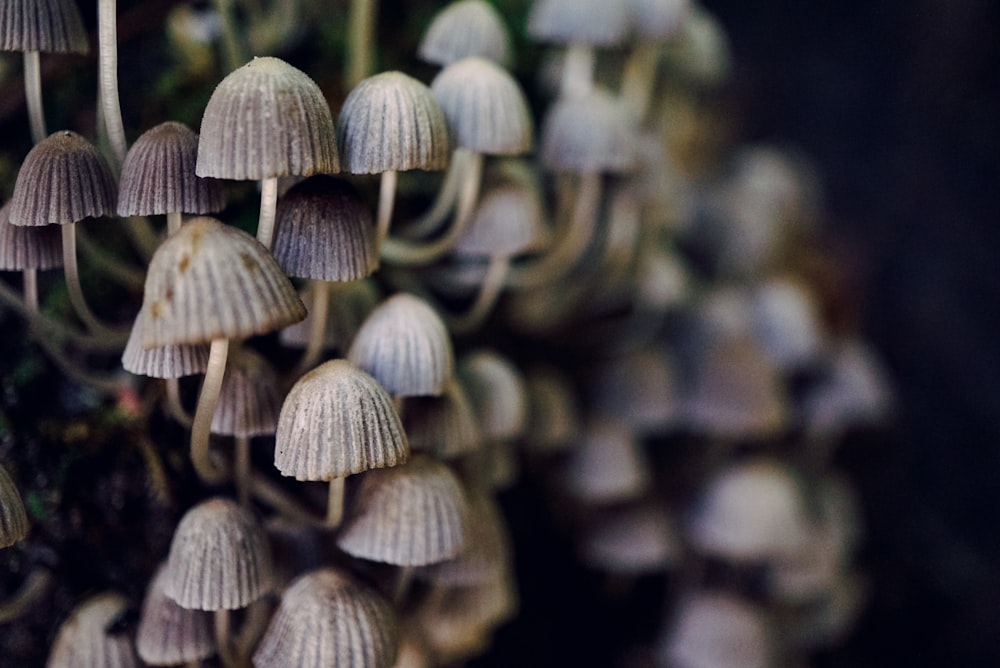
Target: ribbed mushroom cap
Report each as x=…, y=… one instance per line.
x=554, y=412
x=607, y=465
x=485, y=107
x=405, y=345
x=63, y=179
x=325, y=231
x=657, y=20
x=219, y=558
x=509, y=219
x=168, y=634
x=487, y=552
x=752, y=511
x=249, y=398
x=463, y=29
x=173, y=361
x=596, y=22
x=158, y=175
x=588, y=132
x=267, y=119
x=391, y=122
x=498, y=394
x=13, y=519
x=337, y=421
x=444, y=427
x=213, y=281
x=52, y=26
x=410, y=515
x=717, y=631
x=28, y=247
x=633, y=539
x=89, y=637
x=639, y=389
x=328, y=620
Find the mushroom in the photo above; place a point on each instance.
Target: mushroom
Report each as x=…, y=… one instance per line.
x=169, y=634
x=89, y=637
x=13, y=519
x=463, y=29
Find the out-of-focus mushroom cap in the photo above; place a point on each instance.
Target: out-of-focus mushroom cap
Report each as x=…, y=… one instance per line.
x=88, y=637
x=249, y=398
x=62, y=180
x=717, y=631
x=444, y=427
x=391, y=122
x=213, y=281
x=607, y=465
x=639, y=389
x=508, y=220
x=325, y=231
x=588, y=132
x=52, y=26
x=28, y=247
x=267, y=119
x=13, y=519
x=498, y=394
x=337, y=421
x=487, y=552
x=632, y=540
x=554, y=411
x=463, y=29
x=701, y=52
x=596, y=22
x=168, y=634
x=657, y=20
x=158, y=175
x=173, y=361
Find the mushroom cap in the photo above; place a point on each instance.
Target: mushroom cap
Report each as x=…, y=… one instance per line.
x=588, y=132
x=607, y=465
x=466, y=28
x=485, y=107
x=267, y=119
x=554, y=410
x=350, y=304
x=337, y=421
x=391, y=122
x=410, y=515
x=325, y=231
x=28, y=247
x=13, y=519
x=487, y=552
x=63, y=179
x=158, y=176
x=169, y=634
x=717, y=631
x=329, y=620
x=445, y=427
x=595, y=22
x=219, y=558
x=639, y=389
x=88, y=637
x=632, y=540
x=249, y=398
x=498, y=394
x=52, y=26
x=657, y=20
x=405, y=345
x=213, y=281
x=173, y=361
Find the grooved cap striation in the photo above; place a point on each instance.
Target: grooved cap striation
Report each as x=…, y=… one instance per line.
x=249, y=398
x=168, y=634
x=89, y=638
x=172, y=361
x=13, y=519
x=28, y=247
x=52, y=26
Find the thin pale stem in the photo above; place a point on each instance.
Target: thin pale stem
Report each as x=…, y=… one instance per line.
x=444, y=201
x=107, y=34
x=242, y=470
x=360, y=41
x=638, y=78
x=578, y=70
x=255, y=622
x=28, y=596
x=223, y=642
x=174, y=221
x=335, y=503
x=175, y=407
x=72, y=272
x=386, y=200
x=30, y=288
x=489, y=291
x=318, y=314
x=268, y=207
x=404, y=580
x=33, y=96
x=207, y=401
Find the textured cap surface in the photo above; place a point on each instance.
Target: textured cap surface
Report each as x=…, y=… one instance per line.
x=28, y=247
x=42, y=25
x=89, y=638
x=173, y=361
x=249, y=397
x=13, y=519
x=466, y=28
x=169, y=634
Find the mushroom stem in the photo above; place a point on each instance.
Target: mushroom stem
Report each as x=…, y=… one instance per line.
x=223, y=642
x=638, y=78
x=317, y=326
x=33, y=95
x=72, y=272
x=578, y=70
x=107, y=37
x=443, y=202
x=29, y=278
x=273, y=496
x=489, y=291
x=335, y=503
x=386, y=200
x=268, y=207
x=53, y=329
x=410, y=253
x=36, y=587
x=360, y=41
x=207, y=401
x=175, y=407
x=108, y=264
x=242, y=468
x=404, y=578
x=174, y=221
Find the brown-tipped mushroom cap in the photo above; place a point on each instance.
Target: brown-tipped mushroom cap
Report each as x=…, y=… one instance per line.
x=328, y=620
x=13, y=519
x=173, y=361
x=596, y=22
x=410, y=515
x=28, y=247
x=52, y=26
x=405, y=345
x=325, y=231
x=219, y=558
x=337, y=421
x=62, y=180
x=168, y=634
x=213, y=281
x=463, y=29
x=89, y=637
x=249, y=398
x=485, y=107
x=498, y=394
x=158, y=175
x=267, y=119
x=391, y=122
x=588, y=132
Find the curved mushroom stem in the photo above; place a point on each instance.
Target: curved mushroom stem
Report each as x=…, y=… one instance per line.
x=207, y=401
x=335, y=503
x=386, y=200
x=53, y=329
x=638, y=78
x=108, y=49
x=174, y=221
x=431, y=220
x=268, y=207
x=317, y=326
x=255, y=621
x=29, y=278
x=72, y=272
x=278, y=499
x=175, y=407
x=360, y=41
x=578, y=70
x=33, y=96
x=36, y=587
x=109, y=265
x=223, y=642
x=404, y=579
x=409, y=253
x=489, y=291
x=242, y=470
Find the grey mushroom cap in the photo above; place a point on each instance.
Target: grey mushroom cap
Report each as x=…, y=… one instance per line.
x=249, y=398
x=86, y=638
x=62, y=180
x=463, y=29
x=588, y=132
x=13, y=519
x=28, y=247
x=173, y=361
x=657, y=20
x=391, y=122
x=598, y=22
x=52, y=26
x=264, y=120
x=168, y=634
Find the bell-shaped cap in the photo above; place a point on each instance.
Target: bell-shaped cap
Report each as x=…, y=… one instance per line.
x=715, y=630
x=410, y=515
x=634, y=539
x=554, y=410
x=444, y=427
x=786, y=322
x=588, y=132
x=487, y=553
x=701, y=51
x=158, y=176
x=325, y=231
x=219, y=558
x=337, y=421
x=28, y=247
x=52, y=26
x=509, y=219
x=90, y=636
x=485, y=107
x=62, y=180
x=172, y=361
x=498, y=394
x=213, y=281
x=249, y=398
x=596, y=22
x=657, y=20
x=168, y=634
x=639, y=389
x=391, y=122
x=13, y=519
x=463, y=29
x=329, y=620
x=405, y=345
x=267, y=119
x=607, y=465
